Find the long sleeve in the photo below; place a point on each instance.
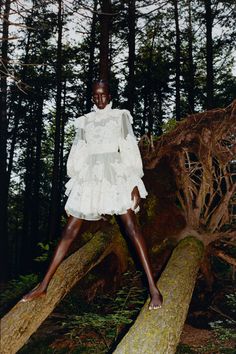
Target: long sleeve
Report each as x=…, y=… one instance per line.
x=78, y=153
x=130, y=154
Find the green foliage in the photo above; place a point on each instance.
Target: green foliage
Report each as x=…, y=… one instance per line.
x=231, y=301
x=169, y=125
x=39, y=347
x=184, y=349
x=87, y=236
x=45, y=252
x=224, y=330
x=109, y=313
x=16, y=288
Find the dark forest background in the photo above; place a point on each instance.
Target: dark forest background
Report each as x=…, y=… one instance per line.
x=167, y=59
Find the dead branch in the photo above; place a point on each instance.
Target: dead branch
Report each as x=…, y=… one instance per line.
x=229, y=259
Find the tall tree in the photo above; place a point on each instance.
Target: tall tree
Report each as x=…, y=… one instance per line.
x=177, y=61
x=3, y=145
x=92, y=44
x=54, y=224
x=131, y=57
x=209, y=55
x=105, y=21
x=35, y=223
x=191, y=98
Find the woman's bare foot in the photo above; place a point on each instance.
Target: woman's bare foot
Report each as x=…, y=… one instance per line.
x=37, y=292
x=156, y=300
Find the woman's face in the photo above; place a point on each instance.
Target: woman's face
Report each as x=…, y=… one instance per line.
x=101, y=96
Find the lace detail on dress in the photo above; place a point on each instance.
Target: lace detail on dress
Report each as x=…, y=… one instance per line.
x=104, y=165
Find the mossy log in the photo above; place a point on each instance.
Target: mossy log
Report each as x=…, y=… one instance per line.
x=24, y=318
x=158, y=331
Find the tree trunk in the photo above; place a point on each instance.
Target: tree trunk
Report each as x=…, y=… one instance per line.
x=3, y=149
x=159, y=331
x=177, y=62
x=149, y=85
x=92, y=44
x=191, y=97
x=62, y=162
x=131, y=57
x=18, y=111
x=104, y=41
x=145, y=113
x=24, y=319
x=54, y=223
x=28, y=206
x=34, y=232
x=209, y=55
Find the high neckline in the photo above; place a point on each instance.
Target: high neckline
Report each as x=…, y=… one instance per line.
x=103, y=110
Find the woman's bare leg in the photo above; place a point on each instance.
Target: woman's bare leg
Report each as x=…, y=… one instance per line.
x=133, y=231
x=69, y=234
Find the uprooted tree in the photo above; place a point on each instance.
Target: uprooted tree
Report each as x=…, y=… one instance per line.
x=191, y=180
x=198, y=160
x=200, y=155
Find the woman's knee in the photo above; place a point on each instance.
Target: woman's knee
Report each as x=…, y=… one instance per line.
x=71, y=230
x=132, y=230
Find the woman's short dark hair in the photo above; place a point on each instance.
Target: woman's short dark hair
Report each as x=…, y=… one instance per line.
x=101, y=83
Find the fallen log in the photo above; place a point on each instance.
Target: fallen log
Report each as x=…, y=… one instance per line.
x=159, y=331
x=24, y=318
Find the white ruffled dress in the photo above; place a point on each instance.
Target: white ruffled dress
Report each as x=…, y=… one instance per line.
x=104, y=165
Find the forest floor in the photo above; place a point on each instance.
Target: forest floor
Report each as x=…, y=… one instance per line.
x=93, y=317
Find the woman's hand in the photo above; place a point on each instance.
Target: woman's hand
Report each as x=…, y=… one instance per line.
x=135, y=196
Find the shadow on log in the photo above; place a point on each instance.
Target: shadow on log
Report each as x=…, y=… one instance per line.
x=159, y=331
x=24, y=318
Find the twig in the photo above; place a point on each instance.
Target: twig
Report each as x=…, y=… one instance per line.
x=225, y=257
x=222, y=314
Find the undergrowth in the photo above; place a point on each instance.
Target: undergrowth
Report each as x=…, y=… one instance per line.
x=93, y=327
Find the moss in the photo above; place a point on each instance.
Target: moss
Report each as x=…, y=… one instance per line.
x=191, y=239
x=87, y=236
x=151, y=204
x=162, y=329
x=166, y=243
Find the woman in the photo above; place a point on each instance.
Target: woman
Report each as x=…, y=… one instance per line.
x=105, y=170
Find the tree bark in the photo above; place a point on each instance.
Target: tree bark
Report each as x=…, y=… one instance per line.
x=35, y=222
x=191, y=98
x=3, y=148
x=159, y=331
x=104, y=41
x=92, y=44
x=149, y=85
x=54, y=223
x=28, y=207
x=209, y=55
x=18, y=111
x=131, y=57
x=24, y=319
x=177, y=61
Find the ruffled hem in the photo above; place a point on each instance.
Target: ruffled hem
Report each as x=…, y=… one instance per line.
x=103, y=186
x=91, y=200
